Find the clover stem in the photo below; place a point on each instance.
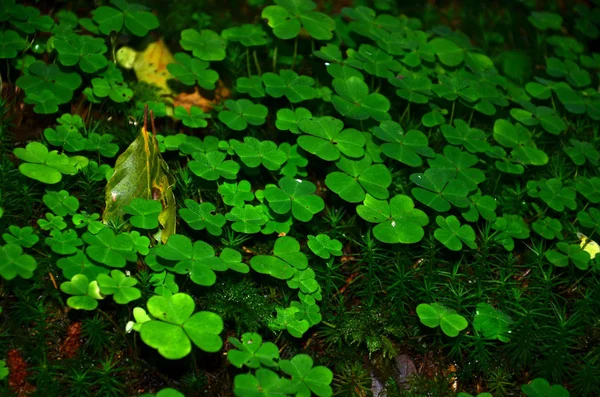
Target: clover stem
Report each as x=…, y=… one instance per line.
x=452, y=112
x=378, y=85
x=406, y=111
x=248, y=61
x=256, y=63
x=274, y=59
x=295, y=52
x=471, y=116
x=372, y=82
x=113, y=47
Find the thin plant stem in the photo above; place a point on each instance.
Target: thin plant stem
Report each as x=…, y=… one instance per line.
x=256, y=63
x=295, y=52
x=452, y=112
x=471, y=116
x=248, y=61
x=119, y=330
x=275, y=59
x=406, y=111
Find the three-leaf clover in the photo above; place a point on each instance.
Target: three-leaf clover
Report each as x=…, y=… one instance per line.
x=289, y=120
x=236, y=194
x=86, y=51
x=43, y=165
x=540, y=387
x=405, y=147
x=22, y=236
x=288, y=16
x=263, y=383
x=242, y=112
x=354, y=101
x=285, y=259
x=569, y=253
x=324, y=246
x=191, y=70
x=110, y=249
x=253, y=153
x=553, y=193
x=194, y=118
x=175, y=324
x=326, y=139
x=435, y=314
x=86, y=293
x=212, y=165
x=14, y=263
x=359, y=177
x=120, y=286
x=439, y=190
x=248, y=35
x=247, y=219
x=41, y=77
x=252, y=352
x=144, y=213
x=205, y=45
x=10, y=44
x=448, y=52
x=136, y=18
x=202, y=215
x=398, y=221
x=493, y=323
x=296, y=195
x=453, y=235
x=295, y=88
x=306, y=377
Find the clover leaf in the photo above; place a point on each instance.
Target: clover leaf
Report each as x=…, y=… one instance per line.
x=248, y=35
x=412, y=87
x=324, y=246
x=263, y=383
x=288, y=16
x=296, y=195
x=136, y=18
x=472, y=139
x=252, y=85
x=63, y=243
x=68, y=138
x=42, y=165
x=86, y=51
x=252, y=352
x=236, y=194
x=286, y=319
x=540, y=387
x=373, y=61
x=569, y=253
x=80, y=264
x=493, y=323
x=404, y=147
x=306, y=377
x=590, y=188
x=509, y=227
x=327, y=140
x=397, y=220
x=14, y=263
x=202, y=215
x=547, y=227
x=448, y=52
x=144, y=213
x=304, y=280
x=205, y=45
x=295, y=88
x=242, y=112
x=86, y=293
x=120, y=286
x=52, y=222
x=41, y=77
x=61, y=203
x=289, y=120
x=102, y=144
x=194, y=118
x=22, y=236
x=212, y=165
x=109, y=249
x=553, y=193
x=579, y=152
x=359, y=177
x=285, y=259
x=253, y=153
x=247, y=219
x=439, y=190
x=354, y=101
x=457, y=164
x=544, y=20
x=190, y=70
x=452, y=234
x=435, y=314
x=10, y=44
x=175, y=325
x=296, y=160
x=197, y=259
x=111, y=84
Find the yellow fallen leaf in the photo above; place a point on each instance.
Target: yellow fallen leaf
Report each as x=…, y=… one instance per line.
x=590, y=246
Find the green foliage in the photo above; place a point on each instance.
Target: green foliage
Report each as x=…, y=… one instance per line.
x=434, y=315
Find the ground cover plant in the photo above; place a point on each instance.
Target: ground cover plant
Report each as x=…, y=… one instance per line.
x=291, y=199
